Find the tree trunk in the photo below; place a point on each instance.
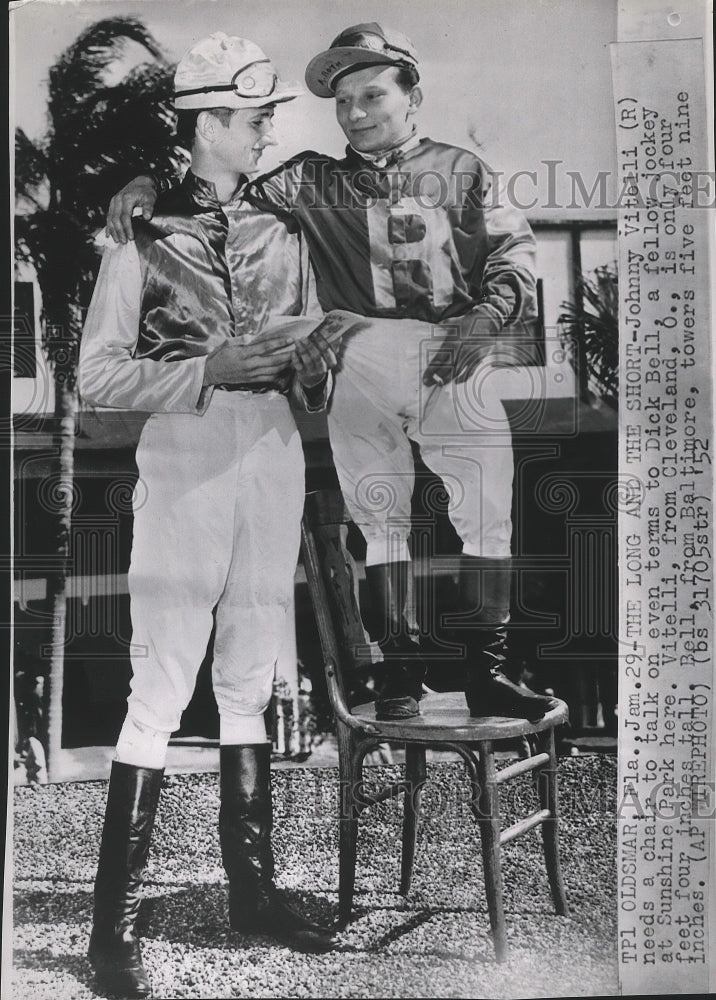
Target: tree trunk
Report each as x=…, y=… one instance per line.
x=63, y=494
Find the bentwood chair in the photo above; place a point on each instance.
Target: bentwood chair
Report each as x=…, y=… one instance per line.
x=332, y=576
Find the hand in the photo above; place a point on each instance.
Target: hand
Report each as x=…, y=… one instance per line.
x=260, y=361
x=139, y=193
x=465, y=345
x=312, y=358
x=316, y=342
x=337, y=323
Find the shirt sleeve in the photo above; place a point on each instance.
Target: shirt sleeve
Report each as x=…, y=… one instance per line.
x=508, y=294
x=279, y=190
x=109, y=374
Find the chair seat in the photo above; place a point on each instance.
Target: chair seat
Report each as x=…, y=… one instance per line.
x=445, y=718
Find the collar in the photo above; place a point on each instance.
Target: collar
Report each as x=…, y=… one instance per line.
x=203, y=192
x=393, y=155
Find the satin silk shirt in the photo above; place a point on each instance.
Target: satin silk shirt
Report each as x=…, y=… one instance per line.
x=427, y=237
x=198, y=274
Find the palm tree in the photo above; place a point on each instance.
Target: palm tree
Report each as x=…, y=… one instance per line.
x=100, y=134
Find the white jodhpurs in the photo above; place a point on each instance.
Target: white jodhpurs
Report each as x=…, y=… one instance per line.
x=379, y=405
x=217, y=514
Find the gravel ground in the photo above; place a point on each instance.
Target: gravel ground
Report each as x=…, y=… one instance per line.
x=433, y=944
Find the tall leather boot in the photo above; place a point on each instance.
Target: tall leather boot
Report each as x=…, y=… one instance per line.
x=485, y=597
x=245, y=824
x=401, y=686
x=114, y=948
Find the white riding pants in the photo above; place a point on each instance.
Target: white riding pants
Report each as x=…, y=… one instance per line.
x=379, y=404
x=217, y=513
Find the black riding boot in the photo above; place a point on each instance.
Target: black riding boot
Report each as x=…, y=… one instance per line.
x=401, y=687
x=485, y=598
x=114, y=948
x=245, y=823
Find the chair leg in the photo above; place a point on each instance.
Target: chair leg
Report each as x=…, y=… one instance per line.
x=549, y=799
x=415, y=775
x=488, y=817
x=351, y=774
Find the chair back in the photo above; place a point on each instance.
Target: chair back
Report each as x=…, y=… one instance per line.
x=332, y=576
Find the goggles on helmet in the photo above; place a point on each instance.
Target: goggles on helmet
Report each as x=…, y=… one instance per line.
x=256, y=79
x=369, y=40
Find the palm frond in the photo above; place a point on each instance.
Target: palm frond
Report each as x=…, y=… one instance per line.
x=30, y=167
x=79, y=72
x=127, y=129
x=589, y=330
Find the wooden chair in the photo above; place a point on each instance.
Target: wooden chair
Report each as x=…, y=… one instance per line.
x=444, y=724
